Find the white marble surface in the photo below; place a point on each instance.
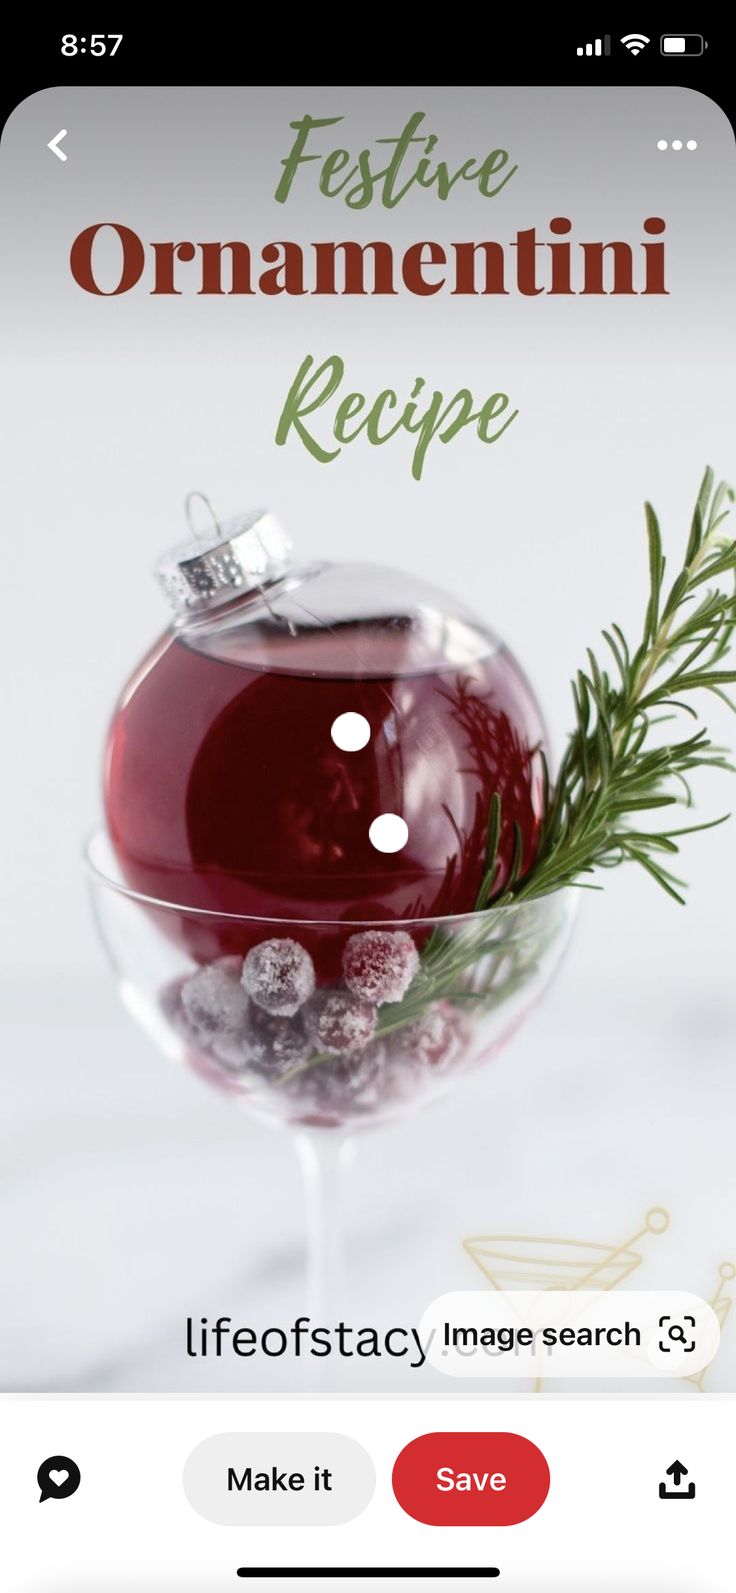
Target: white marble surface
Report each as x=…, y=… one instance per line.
x=132, y=1197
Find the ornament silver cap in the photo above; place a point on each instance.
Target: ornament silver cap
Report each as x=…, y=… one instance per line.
x=233, y=558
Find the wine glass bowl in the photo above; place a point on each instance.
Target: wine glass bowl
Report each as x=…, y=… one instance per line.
x=325, y=1024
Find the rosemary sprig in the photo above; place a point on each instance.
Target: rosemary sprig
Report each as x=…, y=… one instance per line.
x=616, y=766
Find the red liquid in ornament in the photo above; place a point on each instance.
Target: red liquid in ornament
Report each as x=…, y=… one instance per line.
x=225, y=790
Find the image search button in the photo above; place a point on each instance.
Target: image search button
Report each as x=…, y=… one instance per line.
x=58, y=1477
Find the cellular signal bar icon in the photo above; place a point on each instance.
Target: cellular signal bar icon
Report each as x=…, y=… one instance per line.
x=598, y=46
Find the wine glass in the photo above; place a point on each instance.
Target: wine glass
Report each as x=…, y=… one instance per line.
x=335, y=1063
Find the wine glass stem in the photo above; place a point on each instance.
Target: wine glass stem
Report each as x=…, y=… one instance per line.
x=322, y=1154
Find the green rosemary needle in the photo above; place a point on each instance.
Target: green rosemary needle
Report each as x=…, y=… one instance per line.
x=618, y=764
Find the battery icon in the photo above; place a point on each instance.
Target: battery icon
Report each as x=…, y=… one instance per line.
x=682, y=44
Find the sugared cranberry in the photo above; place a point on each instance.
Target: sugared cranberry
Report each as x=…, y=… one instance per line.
x=347, y=1086
x=432, y=1039
x=277, y=1044
x=214, y=1000
x=380, y=964
x=340, y=1022
x=278, y=975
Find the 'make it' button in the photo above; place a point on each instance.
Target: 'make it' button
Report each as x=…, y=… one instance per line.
x=279, y=1479
x=471, y=1479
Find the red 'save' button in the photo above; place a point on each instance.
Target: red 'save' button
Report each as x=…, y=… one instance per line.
x=471, y=1479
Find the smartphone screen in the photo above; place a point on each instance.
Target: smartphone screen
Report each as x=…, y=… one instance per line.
x=367, y=1206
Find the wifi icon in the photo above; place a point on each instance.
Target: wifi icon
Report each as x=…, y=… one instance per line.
x=635, y=42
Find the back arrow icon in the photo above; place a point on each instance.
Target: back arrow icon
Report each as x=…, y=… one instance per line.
x=54, y=143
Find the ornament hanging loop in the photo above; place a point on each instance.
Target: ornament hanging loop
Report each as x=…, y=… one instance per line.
x=228, y=560
x=200, y=533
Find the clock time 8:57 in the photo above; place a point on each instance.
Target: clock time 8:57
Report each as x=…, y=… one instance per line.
x=92, y=44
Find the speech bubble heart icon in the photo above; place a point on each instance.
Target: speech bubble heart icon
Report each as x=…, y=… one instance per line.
x=58, y=1477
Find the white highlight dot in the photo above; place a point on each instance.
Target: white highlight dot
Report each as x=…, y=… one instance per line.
x=692, y=143
x=662, y=143
x=388, y=833
x=350, y=732
x=677, y=143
